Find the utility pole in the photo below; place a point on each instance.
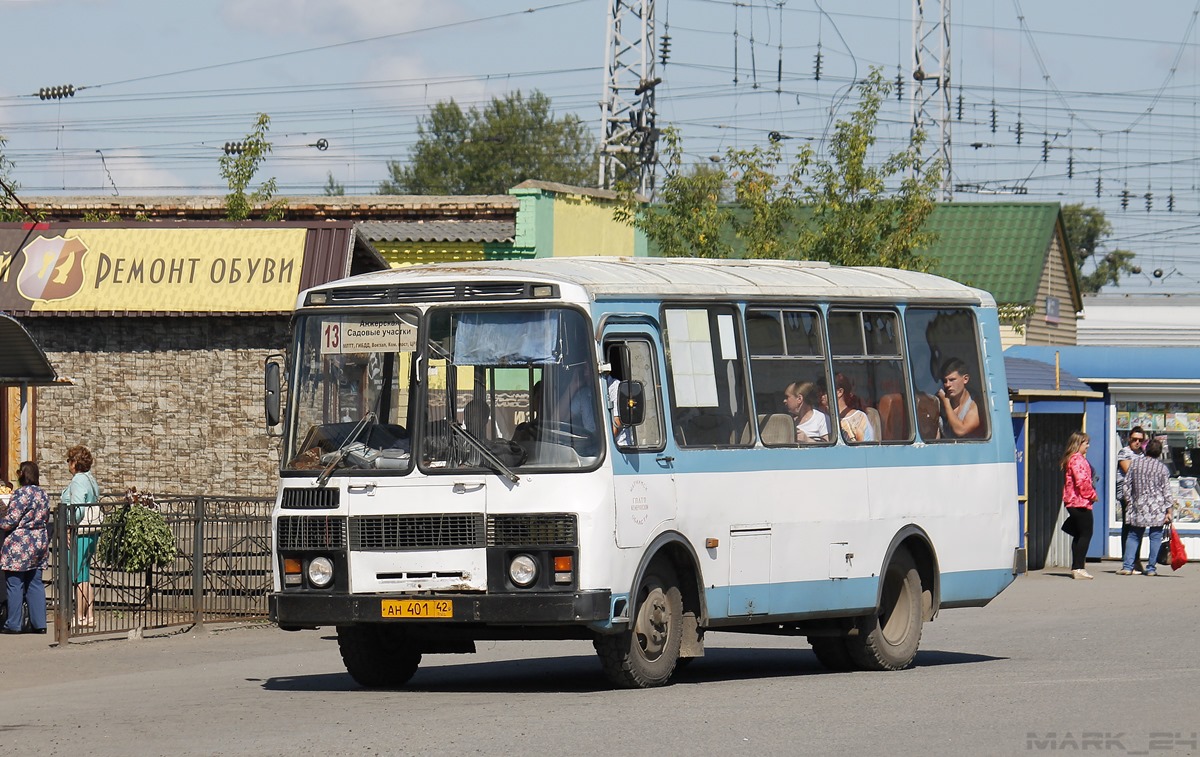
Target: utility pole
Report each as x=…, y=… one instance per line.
x=931, y=73
x=629, y=148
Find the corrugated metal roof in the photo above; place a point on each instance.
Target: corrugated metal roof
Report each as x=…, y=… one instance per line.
x=437, y=231
x=1027, y=375
x=1121, y=364
x=612, y=277
x=997, y=246
x=23, y=361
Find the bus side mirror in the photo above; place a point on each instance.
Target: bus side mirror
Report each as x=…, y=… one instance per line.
x=631, y=408
x=271, y=392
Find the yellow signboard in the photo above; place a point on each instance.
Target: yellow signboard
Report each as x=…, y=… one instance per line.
x=181, y=270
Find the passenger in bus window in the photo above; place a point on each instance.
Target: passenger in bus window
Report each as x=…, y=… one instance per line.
x=856, y=426
x=476, y=417
x=960, y=413
x=800, y=399
x=527, y=430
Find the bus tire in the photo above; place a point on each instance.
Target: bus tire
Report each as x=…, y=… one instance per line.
x=376, y=657
x=832, y=652
x=888, y=639
x=647, y=653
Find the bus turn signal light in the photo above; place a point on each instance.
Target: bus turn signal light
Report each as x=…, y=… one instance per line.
x=563, y=567
x=292, y=571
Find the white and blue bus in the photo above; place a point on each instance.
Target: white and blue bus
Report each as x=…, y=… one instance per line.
x=630, y=450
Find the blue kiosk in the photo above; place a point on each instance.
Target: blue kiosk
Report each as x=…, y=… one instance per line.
x=1157, y=388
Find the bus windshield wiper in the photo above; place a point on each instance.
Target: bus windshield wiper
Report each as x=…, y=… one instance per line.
x=486, y=453
x=344, y=449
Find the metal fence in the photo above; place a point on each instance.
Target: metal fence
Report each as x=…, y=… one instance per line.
x=221, y=570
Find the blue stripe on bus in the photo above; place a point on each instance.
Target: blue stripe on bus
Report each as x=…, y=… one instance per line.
x=828, y=596
x=799, y=458
x=972, y=586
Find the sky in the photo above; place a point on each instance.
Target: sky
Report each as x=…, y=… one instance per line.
x=1105, y=92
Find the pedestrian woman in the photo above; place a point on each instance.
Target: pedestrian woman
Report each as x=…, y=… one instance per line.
x=24, y=528
x=1078, y=495
x=82, y=496
x=1148, y=489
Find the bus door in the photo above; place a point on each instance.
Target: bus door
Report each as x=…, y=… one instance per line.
x=643, y=472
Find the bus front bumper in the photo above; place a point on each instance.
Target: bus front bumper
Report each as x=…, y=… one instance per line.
x=307, y=609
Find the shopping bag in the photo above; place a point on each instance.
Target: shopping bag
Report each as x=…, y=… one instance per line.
x=1164, y=549
x=26, y=625
x=1178, y=553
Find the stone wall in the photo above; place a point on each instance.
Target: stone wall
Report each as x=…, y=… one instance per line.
x=170, y=405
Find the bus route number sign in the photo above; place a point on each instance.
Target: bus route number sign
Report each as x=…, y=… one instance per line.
x=417, y=608
x=355, y=335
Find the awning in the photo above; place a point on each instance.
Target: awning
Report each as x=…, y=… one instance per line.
x=1033, y=378
x=21, y=359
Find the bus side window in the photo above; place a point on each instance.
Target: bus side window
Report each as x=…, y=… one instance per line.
x=787, y=360
x=708, y=394
x=632, y=359
x=870, y=394
x=947, y=375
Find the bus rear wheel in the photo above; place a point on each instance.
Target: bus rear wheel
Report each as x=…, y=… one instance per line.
x=832, y=652
x=646, y=654
x=888, y=640
x=376, y=656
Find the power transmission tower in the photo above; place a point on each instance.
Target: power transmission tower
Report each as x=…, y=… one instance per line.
x=629, y=150
x=931, y=72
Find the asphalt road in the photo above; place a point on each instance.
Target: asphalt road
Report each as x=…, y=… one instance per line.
x=1053, y=665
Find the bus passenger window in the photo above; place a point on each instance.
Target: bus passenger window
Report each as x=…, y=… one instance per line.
x=708, y=396
x=787, y=372
x=870, y=396
x=951, y=393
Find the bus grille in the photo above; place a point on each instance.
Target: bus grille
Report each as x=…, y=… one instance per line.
x=399, y=532
x=309, y=499
x=548, y=529
x=431, y=292
x=296, y=532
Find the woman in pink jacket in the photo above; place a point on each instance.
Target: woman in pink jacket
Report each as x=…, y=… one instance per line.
x=1078, y=495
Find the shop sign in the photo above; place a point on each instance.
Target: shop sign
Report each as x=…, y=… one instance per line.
x=187, y=270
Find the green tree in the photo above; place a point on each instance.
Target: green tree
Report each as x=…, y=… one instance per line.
x=1086, y=229
x=334, y=188
x=836, y=207
x=691, y=217
x=489, y=151
x=238, y=168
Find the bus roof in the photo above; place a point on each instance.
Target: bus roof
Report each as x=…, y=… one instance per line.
x=607, y=278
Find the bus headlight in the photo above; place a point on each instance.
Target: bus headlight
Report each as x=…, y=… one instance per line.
x=320, y=572
x=523, y=570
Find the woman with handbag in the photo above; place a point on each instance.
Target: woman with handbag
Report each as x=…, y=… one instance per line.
x=1078, y=495
x=1148, y=486
x=82, y=496
x=24, y=529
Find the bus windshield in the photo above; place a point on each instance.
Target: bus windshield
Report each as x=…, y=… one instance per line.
x=352, y=395
x=521, y=383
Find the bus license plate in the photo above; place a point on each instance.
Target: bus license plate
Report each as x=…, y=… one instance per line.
x=417, y=608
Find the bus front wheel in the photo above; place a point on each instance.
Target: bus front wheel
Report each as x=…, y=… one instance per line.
x=888, y=639
x=646, y=654
x=376, y=656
